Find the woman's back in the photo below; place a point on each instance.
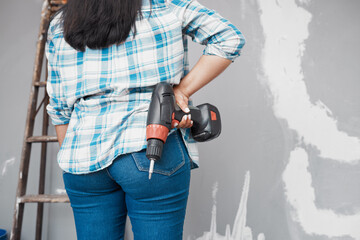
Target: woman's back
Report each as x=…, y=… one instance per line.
x=104, y=94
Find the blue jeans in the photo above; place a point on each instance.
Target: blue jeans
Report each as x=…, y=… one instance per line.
x=101, y=200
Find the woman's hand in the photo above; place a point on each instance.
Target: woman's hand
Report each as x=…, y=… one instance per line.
x=61, y=132
x=182, y=100
x=205, y=70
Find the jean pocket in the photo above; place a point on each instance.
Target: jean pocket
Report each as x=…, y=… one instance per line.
x=172, y=159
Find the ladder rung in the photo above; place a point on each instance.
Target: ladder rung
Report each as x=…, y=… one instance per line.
x=44, y=198
x=57, y=2
x=42, y=139
x=40, y=84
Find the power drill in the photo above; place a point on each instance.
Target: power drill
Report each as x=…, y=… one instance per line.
x=164, y=112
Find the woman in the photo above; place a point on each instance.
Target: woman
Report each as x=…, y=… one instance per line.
x=104, y=59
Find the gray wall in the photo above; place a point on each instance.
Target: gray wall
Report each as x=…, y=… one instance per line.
x=291, y=119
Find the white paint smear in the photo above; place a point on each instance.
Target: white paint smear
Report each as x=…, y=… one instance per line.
x=43, y=9
x=240, y=230
x=261, y=236
x=301, y=195
x=214, y=192
x=286, y=28
x=60, y=191
x=6, y=165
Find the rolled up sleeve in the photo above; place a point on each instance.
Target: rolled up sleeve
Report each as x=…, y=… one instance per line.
x=57, y=109
x=208, y=27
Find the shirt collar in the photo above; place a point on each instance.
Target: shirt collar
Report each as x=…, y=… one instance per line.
x=155, y=4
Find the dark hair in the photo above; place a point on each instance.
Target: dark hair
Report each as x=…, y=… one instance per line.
x=98, y=23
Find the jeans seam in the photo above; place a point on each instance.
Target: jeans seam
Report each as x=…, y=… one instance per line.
x=107, y=171
x=186, y=149
x=133, y=155
x=181, y=150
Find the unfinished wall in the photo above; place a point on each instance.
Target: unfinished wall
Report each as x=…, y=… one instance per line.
x=286, y=164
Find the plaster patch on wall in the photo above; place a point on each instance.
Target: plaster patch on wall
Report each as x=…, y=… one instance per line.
x=6, y=165
x=306, y=2
x=301, y=196
x=240, y=230
x=285, y=27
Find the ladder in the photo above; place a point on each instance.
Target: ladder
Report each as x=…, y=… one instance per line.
x=49, y=8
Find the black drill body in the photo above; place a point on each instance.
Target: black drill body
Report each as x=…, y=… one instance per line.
x=163, y=111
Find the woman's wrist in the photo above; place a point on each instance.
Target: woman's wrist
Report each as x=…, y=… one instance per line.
x=205, y=70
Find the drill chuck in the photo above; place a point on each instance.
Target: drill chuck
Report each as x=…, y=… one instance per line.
x=154, y=149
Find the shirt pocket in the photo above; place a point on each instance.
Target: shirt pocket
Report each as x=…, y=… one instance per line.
x=172, y=159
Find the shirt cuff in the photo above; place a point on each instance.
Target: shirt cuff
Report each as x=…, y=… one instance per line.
x=58, y=117
x=212, y=49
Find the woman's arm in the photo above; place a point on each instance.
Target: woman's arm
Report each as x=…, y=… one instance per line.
x=60, y=132
x=206, y=69
x=58, y=108
x=223, y=44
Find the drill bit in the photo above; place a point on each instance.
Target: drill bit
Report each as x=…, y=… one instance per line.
x=151, y=168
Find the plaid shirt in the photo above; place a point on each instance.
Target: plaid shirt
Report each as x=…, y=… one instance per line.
x=104, y=94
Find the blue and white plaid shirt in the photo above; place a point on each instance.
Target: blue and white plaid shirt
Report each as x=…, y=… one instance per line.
x=104, y=94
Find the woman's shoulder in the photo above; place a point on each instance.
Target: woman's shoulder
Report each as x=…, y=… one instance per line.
x=178, y=7
x=55, y=25
x=180, y=3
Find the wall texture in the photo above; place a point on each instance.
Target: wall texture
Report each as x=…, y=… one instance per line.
x=286, y=165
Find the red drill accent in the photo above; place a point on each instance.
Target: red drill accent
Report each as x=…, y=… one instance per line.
x=157, y=131
x=213, y=115
x=173, y=120
x=173, y=123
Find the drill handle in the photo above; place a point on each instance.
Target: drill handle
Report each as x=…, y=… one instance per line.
x=194, y=111
x=206, y=121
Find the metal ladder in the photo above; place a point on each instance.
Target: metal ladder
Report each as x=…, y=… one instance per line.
x=49, y=8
